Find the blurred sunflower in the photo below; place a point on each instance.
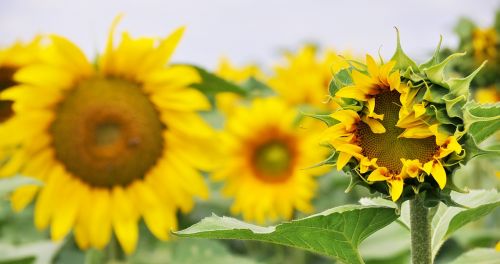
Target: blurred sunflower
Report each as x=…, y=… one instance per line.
x=305, y=77
x=112, y=143
x=485, y=44
x=226, y=101
x=11, y=59
x=401, y=123
x=487, y=95
x=266, y=156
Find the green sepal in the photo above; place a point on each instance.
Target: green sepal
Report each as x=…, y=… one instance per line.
x=481, y=120
x=327, y=119
x=403, y=62
x=454, y=105
x=460, y=86
x=435, y=73
x=434, y=60
x=354, y=180
x=435, y=93
x=339, y=80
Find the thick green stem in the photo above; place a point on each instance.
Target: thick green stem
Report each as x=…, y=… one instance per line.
x=420, y=232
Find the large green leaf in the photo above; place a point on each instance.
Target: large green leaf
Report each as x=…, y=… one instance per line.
x=448, y=220
x=479, y=256
x=335, y=232
x=482, y=120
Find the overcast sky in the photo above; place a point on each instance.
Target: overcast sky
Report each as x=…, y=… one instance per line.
x=248, y=30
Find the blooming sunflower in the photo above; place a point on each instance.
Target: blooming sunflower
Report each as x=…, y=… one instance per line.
x=226, y=101
x=113, y=142
x=266, y=154
x=304, y=78
x=400, y=124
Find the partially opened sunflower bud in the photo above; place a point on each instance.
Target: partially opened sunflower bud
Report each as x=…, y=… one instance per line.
x=402, y=129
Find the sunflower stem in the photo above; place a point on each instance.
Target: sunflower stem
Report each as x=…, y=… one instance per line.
x=420, y=232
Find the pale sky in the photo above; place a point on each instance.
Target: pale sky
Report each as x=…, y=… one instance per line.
x=248, y=30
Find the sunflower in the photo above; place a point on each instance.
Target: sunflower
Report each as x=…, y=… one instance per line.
x=266, y=156
x=226, y=101
x=487, y=95
x=399, y=124
x=11, y=59
x=485, y=44
x=113, y=142
x=304, y=78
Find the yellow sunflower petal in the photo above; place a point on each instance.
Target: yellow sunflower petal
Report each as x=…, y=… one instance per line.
x=352, y=92
x=342, y=160
x=375, y=126
x=124, y=220
x=23, y=196
x=396, y=188
x=380, y=174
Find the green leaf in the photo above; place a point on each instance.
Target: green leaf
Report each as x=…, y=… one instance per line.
x=448, y=220
x=389, y=242
x=481, y=120
x=212, y=84
x=9, y=184
x=479, y=256
x=403, y=62
x=470, y=215
x=336, y=232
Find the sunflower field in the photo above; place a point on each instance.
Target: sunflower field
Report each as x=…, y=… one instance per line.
x=126, y=152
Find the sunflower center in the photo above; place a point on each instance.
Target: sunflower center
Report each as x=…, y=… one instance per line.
x=273, y=160
x=6, y=81
x=387, y=147
x=107, y=132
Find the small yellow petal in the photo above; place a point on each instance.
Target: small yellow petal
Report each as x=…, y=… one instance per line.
x=375, y=126
x=396, y=188
x=439, y=174
x=352, y=92
x=342, y=160
x=380, y=174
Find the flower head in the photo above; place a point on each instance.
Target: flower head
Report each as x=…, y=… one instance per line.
x=114, y=142
x=400, y=126
x=266, y=159
x=304, y=78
